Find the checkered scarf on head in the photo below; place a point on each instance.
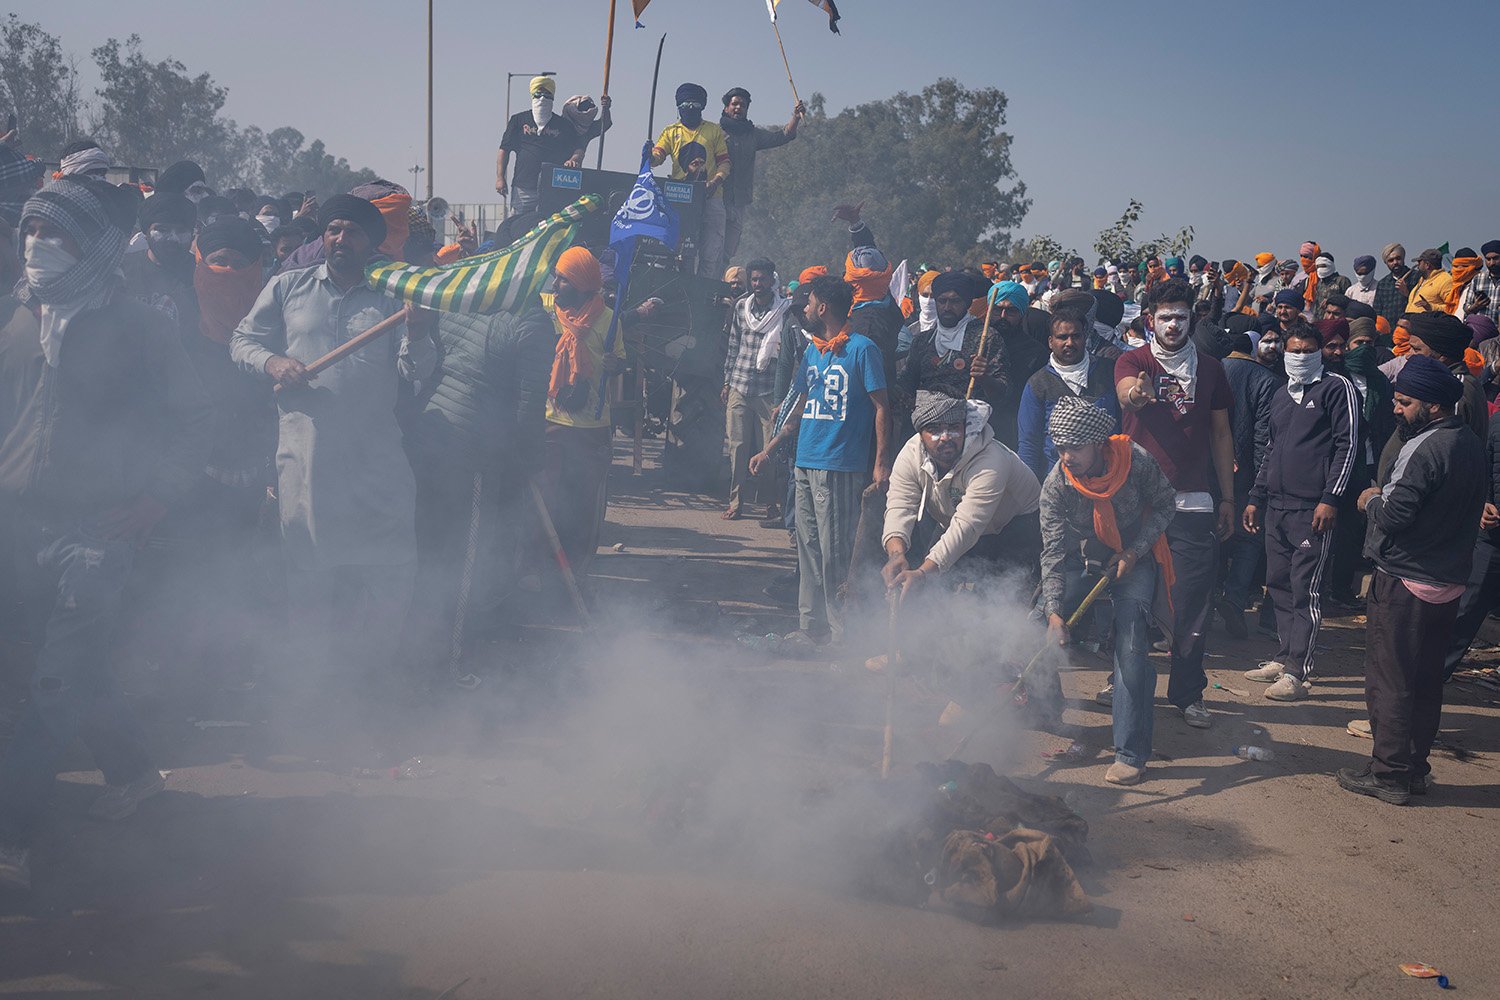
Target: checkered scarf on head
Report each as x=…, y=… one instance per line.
x=77, y=208
x=1077, y=421
x=18, y=177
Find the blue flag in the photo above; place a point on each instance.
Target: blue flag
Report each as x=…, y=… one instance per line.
x=645, y=213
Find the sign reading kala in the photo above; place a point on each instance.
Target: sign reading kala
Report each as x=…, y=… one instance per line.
x=562, y=177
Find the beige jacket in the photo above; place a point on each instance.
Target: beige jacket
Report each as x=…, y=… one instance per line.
x=987, y=487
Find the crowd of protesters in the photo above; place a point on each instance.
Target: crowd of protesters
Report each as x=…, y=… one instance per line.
x=1189, y=428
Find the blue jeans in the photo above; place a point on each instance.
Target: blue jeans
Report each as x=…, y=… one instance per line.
x=73, y=586
x=1135, y=676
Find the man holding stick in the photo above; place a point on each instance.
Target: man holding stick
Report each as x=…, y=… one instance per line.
x=347, y=493
x=1108, y=502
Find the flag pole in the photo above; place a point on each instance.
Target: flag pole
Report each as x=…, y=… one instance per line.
x=777, y=28
x=609, y=51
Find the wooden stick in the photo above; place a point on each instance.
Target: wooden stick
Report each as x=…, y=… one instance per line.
x=777, y=28
x=562, y=557
x=353, y=344
x=609, y=51
x=984, y=336
x=893, y=598
x=1073, y=620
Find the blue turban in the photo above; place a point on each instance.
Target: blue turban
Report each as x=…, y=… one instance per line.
x=1289, y=297
x=1010, y=291
x=1427, y=379
x=962, y=282
x=691, y=93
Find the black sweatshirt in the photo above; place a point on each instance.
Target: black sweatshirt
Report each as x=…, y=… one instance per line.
x=1313, y=450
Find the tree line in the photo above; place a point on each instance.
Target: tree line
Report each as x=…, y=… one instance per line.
x=148, y=113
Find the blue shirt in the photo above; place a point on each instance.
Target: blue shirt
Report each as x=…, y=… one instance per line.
x=838, y=420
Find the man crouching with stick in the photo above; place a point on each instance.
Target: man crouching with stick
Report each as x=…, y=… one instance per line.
x=1107, y=502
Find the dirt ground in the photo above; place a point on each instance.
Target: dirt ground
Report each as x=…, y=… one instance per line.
x=600, y=819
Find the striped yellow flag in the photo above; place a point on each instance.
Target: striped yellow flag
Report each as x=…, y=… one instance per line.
x=498, y=281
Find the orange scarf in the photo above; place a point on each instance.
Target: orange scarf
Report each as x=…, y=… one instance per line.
x=1464, y=270
x=1474, y=361
x=395, y=209
x=570, y=365
x=869, y=284
x=1101, y=490
x=1310, y=268
x=1401, y=342
x=225, y=296
x=833, y=344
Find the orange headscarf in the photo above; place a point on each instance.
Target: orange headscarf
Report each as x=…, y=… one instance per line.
x=395, y=208
x=809, y=273
x=869, y=284
x=1474, y=361
x=1310, y=268
x=1401, y=342
x=1262, y=259
x=989, y=269
x=570, y=365
x=924, y=283
x=1101, y=490
x=833, y=344
x=1464, y=270
x=225, y=296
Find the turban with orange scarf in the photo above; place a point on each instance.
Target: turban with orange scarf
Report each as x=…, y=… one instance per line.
x=226, y=294
x=868, y=270
x=570, y=364
x=395, y=207
x=1466, y=264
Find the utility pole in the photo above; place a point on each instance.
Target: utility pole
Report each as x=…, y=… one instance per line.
x=414, y=171
x=429, y=100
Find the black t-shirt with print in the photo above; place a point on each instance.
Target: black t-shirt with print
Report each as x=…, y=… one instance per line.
x=555, y=143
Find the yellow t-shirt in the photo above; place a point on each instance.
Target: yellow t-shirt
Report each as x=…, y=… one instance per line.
x=709, y=135
x=593, y=347
x=1434, y=290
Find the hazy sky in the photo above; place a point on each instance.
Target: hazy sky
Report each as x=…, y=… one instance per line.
x=1260, y=124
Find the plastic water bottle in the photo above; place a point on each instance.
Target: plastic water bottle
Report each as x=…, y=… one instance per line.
x=1254, y=753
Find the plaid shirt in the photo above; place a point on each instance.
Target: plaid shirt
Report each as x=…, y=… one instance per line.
x=1484, y=283
x=1388, y=301
x=740, y=373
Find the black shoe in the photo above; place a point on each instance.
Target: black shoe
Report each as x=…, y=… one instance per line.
x=1422, y=785
x=1363, y=782
x=1234, y=619
x=773, y=521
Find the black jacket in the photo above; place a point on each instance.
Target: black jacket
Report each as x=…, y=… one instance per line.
x=1422, y=525
x=123, y=414
x=1313, y=447
x=1254, y=386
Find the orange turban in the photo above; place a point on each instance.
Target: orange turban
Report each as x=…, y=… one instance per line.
x=1262, y=259
x=924, y=283
x=868, y=270
x=395, y=208
x=809, y=273
x=581, y=268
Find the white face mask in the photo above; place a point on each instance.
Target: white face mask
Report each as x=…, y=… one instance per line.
x=1324, y=270
x=271, y=222
x=1303, y=369
x=928, y=311
x=46, y=260
x=541, y=111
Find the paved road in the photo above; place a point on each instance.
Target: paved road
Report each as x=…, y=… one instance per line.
x=626, y=815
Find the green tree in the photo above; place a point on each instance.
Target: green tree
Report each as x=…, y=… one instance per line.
x=1042, y=247
x=933, y=170
x=283, y=164
x=40, y=85
x=1117, y=242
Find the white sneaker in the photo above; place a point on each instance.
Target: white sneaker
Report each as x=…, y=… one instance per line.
x=1288, y=688
x=1197, y=716
x=1267, y=672
x=1106, y=695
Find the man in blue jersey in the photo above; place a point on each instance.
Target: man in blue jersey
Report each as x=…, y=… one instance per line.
x=842, y=411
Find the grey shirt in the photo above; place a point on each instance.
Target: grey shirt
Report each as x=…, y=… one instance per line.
x=348, y=497
x=1144, y=505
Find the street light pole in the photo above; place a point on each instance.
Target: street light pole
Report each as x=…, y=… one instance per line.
x=429, y=100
